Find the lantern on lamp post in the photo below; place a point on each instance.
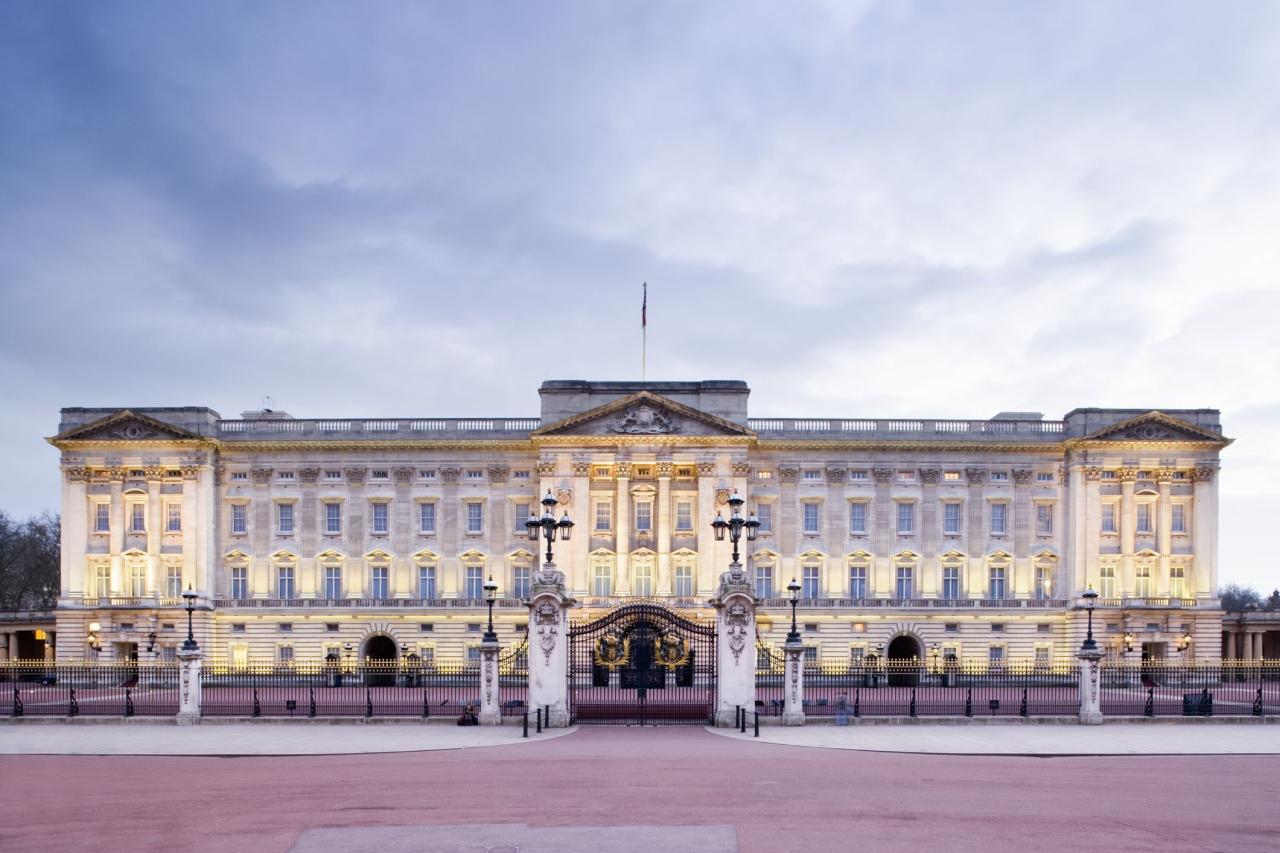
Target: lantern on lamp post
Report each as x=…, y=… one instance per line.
x=548, y=526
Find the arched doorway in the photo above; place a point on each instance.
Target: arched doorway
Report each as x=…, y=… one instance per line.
x=903, y=652
x=380, y=659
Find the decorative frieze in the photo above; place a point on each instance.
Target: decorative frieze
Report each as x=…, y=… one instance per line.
x=115, y=473
x=1093, y=473
x=622, y=470
x=882, y=475
x=1202, y=474
x=1023, y=476
x=356, y=476
x=153, y=472
x=308, y=476
x=836, y=474
x=706, y=468
x=190, y=472
x=498, y=473
x=451, y=473
x=741, y=469
x=546, y=467
x=788, y=474
x=260, y=476
x=930, y=476
x=1127, y=474
x=975, y=476
x=580, y=468
x=77, y=473
x=1165, y=475
x=403, y=475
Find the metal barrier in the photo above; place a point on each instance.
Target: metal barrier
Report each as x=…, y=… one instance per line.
x=88, y=688
x=1176, y=689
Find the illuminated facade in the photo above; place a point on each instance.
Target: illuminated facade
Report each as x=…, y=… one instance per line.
x=909, y=537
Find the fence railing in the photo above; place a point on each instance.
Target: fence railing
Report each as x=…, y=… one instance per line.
x=1160, y=689
x=334, y=689
x=88, y=688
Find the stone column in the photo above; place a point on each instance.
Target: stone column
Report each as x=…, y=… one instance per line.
x=884, y=533
x=4, y=647
x=622, y=582
x=450, y=520
x=930, y=579
x=190, y=662
x=1088, y=537
x=705, y=514
x=1205, y=538
x=1128, y=527
x=793, y=707
x=579, y=573
x=1231, y=644
x=976, y=533
x=156, y=523
x=1021, y=584
x=49, y=652
x=549, y=644
x=662, y=584
x=1164, y=528
x=490, y=710
x=1090, y=686
x=735, y=605
x=116, y=537
x=13, y=645
x=788, y=520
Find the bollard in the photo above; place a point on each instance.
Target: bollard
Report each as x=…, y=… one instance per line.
x=539, y=713
x=742, y=729
x=526, y=725
x=737, y=716
x=757, y=734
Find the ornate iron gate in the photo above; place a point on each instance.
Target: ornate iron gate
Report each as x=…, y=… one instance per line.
x=642, y=664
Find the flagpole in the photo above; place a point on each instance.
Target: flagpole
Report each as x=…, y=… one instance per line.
x=644, y=333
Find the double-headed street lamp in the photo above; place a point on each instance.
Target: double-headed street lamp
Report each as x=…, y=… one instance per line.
x=490, y=595
x=735, y=525
x=1089, y=644
x=548, y=525
x=189, y=597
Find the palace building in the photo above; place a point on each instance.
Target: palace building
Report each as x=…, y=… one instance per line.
x=375, y=537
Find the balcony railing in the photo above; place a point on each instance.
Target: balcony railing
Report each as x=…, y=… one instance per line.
x=983, y=430
x=129, y=601
x=809, y=603
x=337, y=603
x=377, y=427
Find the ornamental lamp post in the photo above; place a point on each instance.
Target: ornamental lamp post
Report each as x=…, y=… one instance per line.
x=736, y=524
x=793, y=592
x=548, y=525
x=189, y=597
x=1090, y=597
x=490, y=595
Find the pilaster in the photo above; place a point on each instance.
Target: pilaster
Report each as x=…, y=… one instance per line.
x=549, y=644
x=793, y=702
x=735, y=605
x=622, y=528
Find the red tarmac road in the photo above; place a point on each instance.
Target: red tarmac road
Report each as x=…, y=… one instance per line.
x=779, y=798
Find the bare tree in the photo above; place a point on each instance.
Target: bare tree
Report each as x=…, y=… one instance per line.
x=1235, y=597
x=30, y=553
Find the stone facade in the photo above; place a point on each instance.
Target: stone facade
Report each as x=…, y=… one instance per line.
x=966, y=537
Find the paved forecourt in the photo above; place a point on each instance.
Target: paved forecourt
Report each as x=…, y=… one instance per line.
x=263, y=738
x=1031, y=738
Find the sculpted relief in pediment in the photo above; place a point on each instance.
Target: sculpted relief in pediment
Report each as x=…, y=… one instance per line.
x=643, y=419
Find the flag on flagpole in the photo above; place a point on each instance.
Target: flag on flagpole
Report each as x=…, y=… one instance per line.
x=644, y=307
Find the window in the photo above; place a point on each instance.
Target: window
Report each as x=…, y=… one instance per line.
x=520, y=475
x=764, y=512
x=1142, y=582
x=812, y=474
x=997, y=627
x=857, y=581
x=1107, y=581
x=1179, y=521
x=333, y=582
x=642, y=580
x=995, y=655
x=602, y=581
x=1177, y=582
x=286, y=627
x=333, y=518
x=173, y=518
x=999, y=476
x=381, y=518
x=906, y=518
x=520, y=584
x=427, y=474
x=684, y=581
x=906, y=476
x=473, y=654
x=809, y=586
x=284, y=582
x=173, y=582
x=1108, y=475
x=1042, y=655
x=284, y=514
x=1144, y=518
x=857, y=518
x=812, y=523
x=102, y=581
x=602, y=516
x=239, y=475
x=284, y=654
x=101, y=518
x=379, y=582
x=951, y=627
x=332, y=475
x=137, y=581
x=1044, y=519
x=475, y=518
x=1109, y=518
x=684, y=515
x=522, y=515
x=858, y=475
x=239, y=582
x=1044, y=582
x=951, y=476
x=905, y=588
x=951, y=582
x=1044, y=477
x=999, y=519
x=995, y=582
x=644, y=515
x=474, y=582
x=137, y=518
x=239, y=519
x=760, y=475
x=951, y=519
x=286, y=476
x=426, y=518
x=475, y=474
x=426, y=581
x=764, y=581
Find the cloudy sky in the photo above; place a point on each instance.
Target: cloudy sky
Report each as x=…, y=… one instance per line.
x=879, y=209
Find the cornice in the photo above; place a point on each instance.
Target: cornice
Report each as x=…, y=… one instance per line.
x=131, y=443
x=1130, y=444
x=410, y=445
x=668, y=440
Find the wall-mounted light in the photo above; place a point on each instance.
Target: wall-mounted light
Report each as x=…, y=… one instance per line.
x=95, y=642
x=1128, y=641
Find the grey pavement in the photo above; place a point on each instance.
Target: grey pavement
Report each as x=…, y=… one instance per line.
x=519, y=838
x=1169, y=738
x=252, y=738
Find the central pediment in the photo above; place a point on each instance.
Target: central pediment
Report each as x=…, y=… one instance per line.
x=644, y=414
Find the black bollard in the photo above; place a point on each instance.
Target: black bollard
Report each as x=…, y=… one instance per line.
x=757, y=734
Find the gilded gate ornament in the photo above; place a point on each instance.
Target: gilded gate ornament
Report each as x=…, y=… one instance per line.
x=613, y=651
x=671, y=650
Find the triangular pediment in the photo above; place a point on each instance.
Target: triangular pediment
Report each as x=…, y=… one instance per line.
x=126, y=425
x=1154, y=426
x=643, y=414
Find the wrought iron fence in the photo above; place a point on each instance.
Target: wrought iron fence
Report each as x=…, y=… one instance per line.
x=1174, y=689
x=88, y=688
x=341, y=689
x=513, y=679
